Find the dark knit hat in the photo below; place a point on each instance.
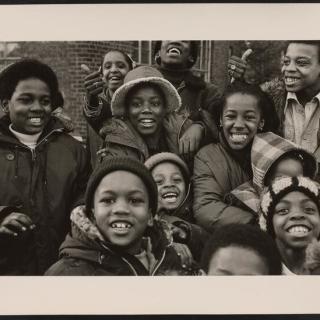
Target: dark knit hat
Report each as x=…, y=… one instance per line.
x=125, y=164
x=194, y=50
x=162, y=157
x=280, y=188
x=29, y=68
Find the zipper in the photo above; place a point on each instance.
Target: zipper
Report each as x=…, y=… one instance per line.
x=159, y=263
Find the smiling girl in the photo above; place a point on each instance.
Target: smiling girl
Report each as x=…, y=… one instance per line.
x=221, y=167
x=290, y=213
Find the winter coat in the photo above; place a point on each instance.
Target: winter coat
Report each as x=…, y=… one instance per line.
x=267, y=148
x=199, y=99
x=183, y=218
x=121, y=139
x=45, y=184
x=216, y=173
x=86, y=253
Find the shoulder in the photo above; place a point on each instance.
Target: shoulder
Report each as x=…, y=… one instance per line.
x=211, y=151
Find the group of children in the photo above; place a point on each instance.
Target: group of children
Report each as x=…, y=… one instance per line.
x=246, y=204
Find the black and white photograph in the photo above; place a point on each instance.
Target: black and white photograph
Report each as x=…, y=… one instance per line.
x=132, y=155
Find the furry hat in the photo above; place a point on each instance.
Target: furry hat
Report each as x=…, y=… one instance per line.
x=162, y=157
x=125, y=164
x=280, y=188
x=29, y=68
x=147, y=75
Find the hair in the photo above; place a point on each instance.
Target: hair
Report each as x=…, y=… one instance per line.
x=125, y=55
x=142, y=85
x=247, y=237
x=194, y=49
x=265, y=104
x=25, y=69
x=309, y=42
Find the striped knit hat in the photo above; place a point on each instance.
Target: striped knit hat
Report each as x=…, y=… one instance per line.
x=267, y=148
x=280, y=188
x=147, y=75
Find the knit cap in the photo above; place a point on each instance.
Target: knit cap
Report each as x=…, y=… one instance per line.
x=119, y=164
x=162, y=157
x=147, y=75
x=280, y=188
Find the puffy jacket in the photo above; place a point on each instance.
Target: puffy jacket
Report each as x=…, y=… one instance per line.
x=45, y=184
x=216, y=173
x=121, y=139
x=86, y=253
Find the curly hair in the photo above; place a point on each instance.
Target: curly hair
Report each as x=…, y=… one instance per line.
x=243, y=236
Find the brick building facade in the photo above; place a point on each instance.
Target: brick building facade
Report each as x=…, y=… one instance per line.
x=66, y=57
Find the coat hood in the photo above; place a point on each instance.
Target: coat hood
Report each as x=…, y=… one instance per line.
x=267, y=148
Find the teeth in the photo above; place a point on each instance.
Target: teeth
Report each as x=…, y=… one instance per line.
x=35, y=120
x=147, y=122
x=170, y=195
x=238, y=137
x=291, y=80
x=174, y=51
x=115, y=78
x=298, y=229
x=121, y=225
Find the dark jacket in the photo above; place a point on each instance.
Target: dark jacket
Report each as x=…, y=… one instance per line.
x=86, y=253
x=121, y=139
x=199, y=99
x=44, y=184
x=216, y=173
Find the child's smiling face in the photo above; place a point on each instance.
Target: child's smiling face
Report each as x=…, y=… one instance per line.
x=171, y=185
x=296, y=221
x=121, y=209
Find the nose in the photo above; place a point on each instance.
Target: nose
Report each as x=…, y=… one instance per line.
x=291, y=66
x=120, y=207
x=113, y=68
x=239, y=123
x=36, y=106
x=146, y=107
x=297, y=214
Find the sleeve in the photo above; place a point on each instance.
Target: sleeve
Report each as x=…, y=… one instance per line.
x=80, y=183
x=95, y=116
x=209, y=207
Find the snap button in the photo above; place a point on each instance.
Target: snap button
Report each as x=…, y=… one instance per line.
x=10, y=156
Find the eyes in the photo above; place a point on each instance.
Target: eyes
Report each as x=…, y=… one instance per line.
x=29, y=100
x=160, y=180
x=233, y=116
x=133, y=200
x=301, y=62
x=139, y=103
x=284, y=210
x=119, y=65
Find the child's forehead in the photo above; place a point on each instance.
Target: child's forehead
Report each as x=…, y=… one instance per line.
x=295, y=196
x=166, y=167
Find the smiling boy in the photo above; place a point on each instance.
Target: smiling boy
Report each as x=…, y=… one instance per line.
x=297, y=94
x=116, y=233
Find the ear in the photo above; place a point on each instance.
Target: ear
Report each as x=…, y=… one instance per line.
x=150, y=221
x=157, y=58
x=261, y=124
x=5, y=106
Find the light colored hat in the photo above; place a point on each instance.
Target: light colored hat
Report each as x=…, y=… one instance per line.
x=144, y=74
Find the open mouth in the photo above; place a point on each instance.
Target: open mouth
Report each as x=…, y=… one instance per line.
x=115, y=78
x=298, y=230
x=121, y=226
x=36, y=120
x=174, y=51
x=147, y=123
x=238, y=137
x=170, y=197
x=291, y=80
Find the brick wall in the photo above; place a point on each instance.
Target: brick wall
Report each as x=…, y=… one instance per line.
x=66, y=57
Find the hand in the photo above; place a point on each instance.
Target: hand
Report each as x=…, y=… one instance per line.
x=184, y=253
x=94, y=85
x=236, y=67
x=178, y=234
x=189, y=143
x=16, y=223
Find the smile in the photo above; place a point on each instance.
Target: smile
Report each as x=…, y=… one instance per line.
x=121, y=225
x=238, y=137
x=298, y=230
x=291, y=80
x=170, y=196
x=114, y=79
x=147, y=122
x=35, y=120
x=174, y=51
